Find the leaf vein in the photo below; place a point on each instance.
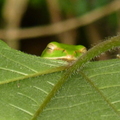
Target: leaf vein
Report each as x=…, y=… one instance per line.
x=23, y=110
x=41, y=90
x=18, y=72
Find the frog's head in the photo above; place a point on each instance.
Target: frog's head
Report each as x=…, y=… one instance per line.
x=62, y=51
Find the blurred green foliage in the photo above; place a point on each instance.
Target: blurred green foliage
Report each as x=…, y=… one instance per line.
x=113, y=20
x=72, y=7
x=36, y=3
x=79, y=7
x=1, y=6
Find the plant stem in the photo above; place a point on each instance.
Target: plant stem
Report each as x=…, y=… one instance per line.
x=96, y=50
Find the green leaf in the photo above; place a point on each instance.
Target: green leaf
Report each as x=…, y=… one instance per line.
x=31, y=88
x=92, y=93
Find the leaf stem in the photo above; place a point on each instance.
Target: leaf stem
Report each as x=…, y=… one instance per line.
x=96, y=50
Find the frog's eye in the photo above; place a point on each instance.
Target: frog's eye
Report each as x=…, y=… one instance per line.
x=51, y=47
x=48, y=48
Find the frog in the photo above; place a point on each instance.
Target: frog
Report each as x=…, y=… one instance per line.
x=61, y=51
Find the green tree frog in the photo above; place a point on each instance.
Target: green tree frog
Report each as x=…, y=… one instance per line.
x=60, y=51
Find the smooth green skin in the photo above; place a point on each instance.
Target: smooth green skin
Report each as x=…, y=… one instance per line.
x=55, y=50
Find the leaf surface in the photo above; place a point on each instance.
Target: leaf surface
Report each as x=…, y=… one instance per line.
x=89, y=93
